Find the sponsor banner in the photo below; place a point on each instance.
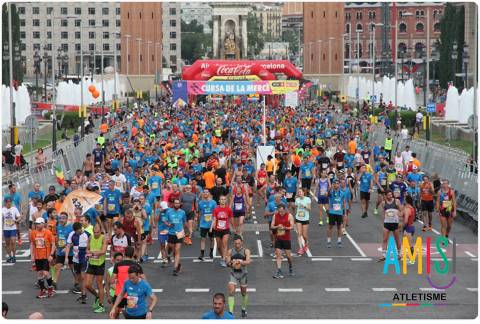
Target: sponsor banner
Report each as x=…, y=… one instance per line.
x=235, y=77
x=81, y=198
x=241, y=87
x=179, y=96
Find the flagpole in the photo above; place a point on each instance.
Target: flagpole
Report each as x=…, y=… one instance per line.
x=264, y=122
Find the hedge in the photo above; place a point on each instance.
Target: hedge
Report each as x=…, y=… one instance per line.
x=70, y=118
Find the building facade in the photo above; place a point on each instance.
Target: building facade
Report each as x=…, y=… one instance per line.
x=270, y=18
x=323, y=25
x=141, y=32
x=56, y=28
x=172, y=40
x=199, y=11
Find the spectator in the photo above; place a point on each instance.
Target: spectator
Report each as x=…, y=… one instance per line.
x=8, y=157
x=18, y=154
x=40, y=159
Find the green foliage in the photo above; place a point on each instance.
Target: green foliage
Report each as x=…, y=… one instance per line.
x=17, y=63
x=256, y=40
x=292, y=38
x=70, y=119
x=195, y=43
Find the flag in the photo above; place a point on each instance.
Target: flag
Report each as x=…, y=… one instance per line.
x=59, y=174
x=80, y=198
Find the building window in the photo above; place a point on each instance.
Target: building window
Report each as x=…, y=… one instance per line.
x=141, y=58
x=359, y=28
x=49, y=10
x=117, y=11
x=106, y=35
x=104, y=11
x=77, y=35
x=128, y=15
x=91, y=11
x=22, y=22
x=77, y=48
x=336, y=57
x=153, y=58
x=359, y=15
x=311, y=14
x=128, y=59
x=64, y=23
x=64, y=10
x=419, y=28
x=436, y=27
x=173, y=23
x=37, y=47
x=418, y=50
x=91, y=22
x=173, y=11
x=419, y=14
x=118, y=47
x=91, y=35
x=347, y=28
x=48, y=47
x=336, y=14
x=77, y=22
x=140, y=14
x=152, y=14
x=35, y=22
x=49, y=34
x=106, y=47
x=78, y=11
x=323, y=56
x=324, y=14
x=36, y=34
x=91, y=47
x=173, y=47
x=173, y=35
x=65, y=47
x=173, y=59
x=36, y=10
x=21, y=10
x=117, y=23
x=347, y=51
x=64, y=35
x=105, y=23
x=22, y=34
x=348, y=16
x=23, y=46
x=403, y=28
x=402, y=48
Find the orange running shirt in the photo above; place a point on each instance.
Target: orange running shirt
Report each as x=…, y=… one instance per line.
x=42, y=242
x=209, y=178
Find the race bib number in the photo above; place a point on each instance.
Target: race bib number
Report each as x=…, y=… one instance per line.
x=164, y=232
x=180, y=235
x=237, y=264
x=289, y=195
x=39, y=242
x=383, y=182
x=207, y=217
x=118, y=184
x=238, y=206
x=75, y=252
x=365, y=156
x=98, y=207
x=222, y=224
x=323, y=192
x=154, y=185
x=324, y=165
x=396, y=193
x=301, y=214
x=61, y=243
x=446, y=204
x=132, y=301
x=337, y=207
x=111, y=207
x=280, y=231
x=94, y=257
x=340, y=163
x=9, y=222
x=308, y=173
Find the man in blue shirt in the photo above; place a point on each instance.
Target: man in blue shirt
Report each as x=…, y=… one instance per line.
x=336, y=200
x=205, y=210
x=36, y=193
x=218, y=311
x=137, y=291
x=366, y=183
x=175, y=220
x=63, y=231
x=290, y=184
x=112, y=199
x=307, y=170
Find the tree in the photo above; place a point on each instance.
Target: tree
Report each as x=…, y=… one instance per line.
x=195, y=43
x=452, y=30
x=291, y=38
x=17, y=62
x=256, y=39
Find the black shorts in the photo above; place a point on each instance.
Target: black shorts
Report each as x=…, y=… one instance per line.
x=42, y=265
x=269, y=173
x=306, y=183
x=445, y=213
x=144, y=316
x=79, y=267
x=391, y=226
x=335, y=219
x=303, y=222
x=283, y=244
x=112, y=216
x=221, y=233
x=61, y=259
x=427, y=205
x=205, y=231
x=103, y=218
x=293, y=197
x=173, y=239
x=144, y=235
x=122, y=304
x=190, y=215
x=96, y=270
x=364, y=195
x=238, y=214
x=88, y=173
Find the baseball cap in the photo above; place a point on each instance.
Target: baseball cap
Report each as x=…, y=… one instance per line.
x=51, y=188
x=164, y=205
x=7, y=199
x=40, y=220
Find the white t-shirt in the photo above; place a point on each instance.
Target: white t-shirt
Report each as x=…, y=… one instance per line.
x=120, y=181
x=33, y=209
x=419, y=117
x=404, y=134
x=10, y=216
x=406, y=155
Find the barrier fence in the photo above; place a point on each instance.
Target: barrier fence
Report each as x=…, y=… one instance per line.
x=449, y=163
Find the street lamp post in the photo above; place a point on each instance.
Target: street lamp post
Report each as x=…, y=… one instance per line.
x=319, y=57
x=36, y=59
x=465, y=64
x=374, y=27
x=115, y=70
x=10, y=67
x=357, y=94
x=45, y=60
x=330, y=69
x=103, y=88
x=128, y=60
x=138, y=55
x=454, y=60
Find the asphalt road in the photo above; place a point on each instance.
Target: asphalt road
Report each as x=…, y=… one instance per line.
x=334, y=282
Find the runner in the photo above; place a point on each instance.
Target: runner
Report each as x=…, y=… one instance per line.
x=303, y=206
x=282, y=224
x=239, y=205
x=133, y=227
x=63, y=231
x=347, y=192
x=392, y=221
x=120, y=240
x=409, y=219
x=42, y=249
x=112, y=201
x=336, y=210
x=307, y=171
x=110, y=287
x=96, y=250
x=262, y=182
x=222, y=217
x=366, y=183
x=162, y=230
x=11, y=219
x=218, y=311
x=426, y=194
x=323, y=187
x=238, y=258
x=189, y=205
x=290, y=183
x=447, y=207
x=175, y=220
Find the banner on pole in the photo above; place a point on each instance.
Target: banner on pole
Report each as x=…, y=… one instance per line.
x=180, y=94
x=80, y=198
x=241, y=87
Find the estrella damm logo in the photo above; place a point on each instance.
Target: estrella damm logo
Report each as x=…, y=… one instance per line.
x=442, y=267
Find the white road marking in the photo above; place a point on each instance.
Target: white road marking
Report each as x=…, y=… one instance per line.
x=254, y=217
x=474, y=259
x=12, y=292
x=7, y=264
x=470, y=254
x=322, y=259
x=435, y=231
x=61, y=291
x=384, y=289
x=440, y=259
x=290, y=289
x=283, y=259
x=430, y=289
x=197, y=289
x=22, y=253
x=356, y=245
x=157, y=290
x=214, y=248
x=248, y=289
x=361, y=259
x=204, y=260
x=253, y=212
x=260, y=248
x=257, y=232
x=472, y=289
x=21, y=260
x=337, y=289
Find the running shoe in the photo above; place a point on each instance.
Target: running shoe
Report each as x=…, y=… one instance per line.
x=223, y=264
x=82, y=299
x=99, y=309
x=424, y=229
x=175, y=272
x=381, y=259
x=375, y=211
x=344, y=232
x=9, y=260
x=329, y=244
x=429, y=228
x=50, y=292
x=188, y=240
x=42, y=294
x=365, y=215
x=300, y=251
x=339, y=244
x=14, y=259
x=291, y=273
x=76, y=291
x=96, y=303
x=200, y=258
x=244, y=313
x=278, y=275
x=164, y=263
x=320, y=223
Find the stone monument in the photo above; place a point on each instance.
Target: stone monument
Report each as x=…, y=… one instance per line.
x=230, y=30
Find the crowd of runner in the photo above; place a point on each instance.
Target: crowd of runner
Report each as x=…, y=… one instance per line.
x=171, y=172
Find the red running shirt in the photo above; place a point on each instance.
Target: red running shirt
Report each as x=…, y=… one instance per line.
x=221, y=215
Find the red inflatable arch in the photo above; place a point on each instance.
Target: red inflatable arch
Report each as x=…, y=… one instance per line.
x=206, y=69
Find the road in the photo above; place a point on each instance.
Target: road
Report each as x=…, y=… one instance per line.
x=334, y=282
